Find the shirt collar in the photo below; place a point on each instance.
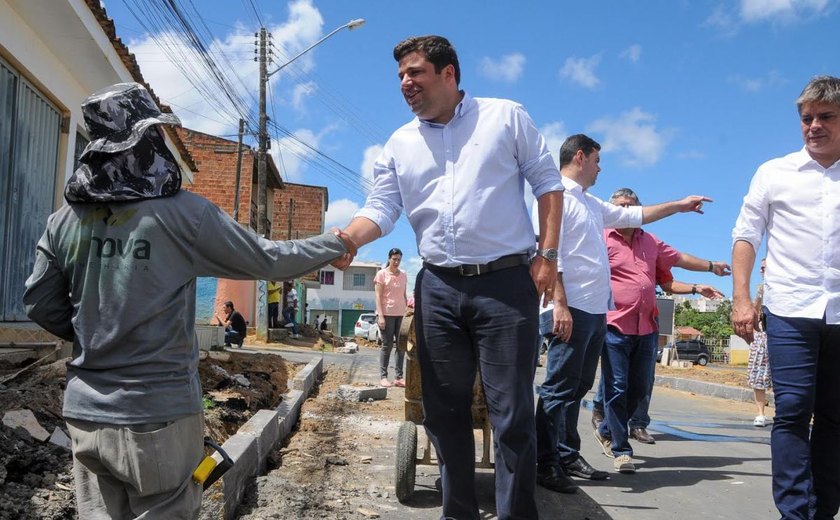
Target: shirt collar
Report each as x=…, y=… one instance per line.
x=462, y=108
x=803, y=160
x=570, y=184
x=636, y=232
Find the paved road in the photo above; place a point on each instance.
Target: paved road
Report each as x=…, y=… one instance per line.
x=709, y=462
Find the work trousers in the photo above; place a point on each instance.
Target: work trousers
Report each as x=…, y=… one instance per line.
x=804, y=364
x=144, y=471
x=486, y=322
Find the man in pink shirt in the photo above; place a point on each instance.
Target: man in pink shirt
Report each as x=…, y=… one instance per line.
x=638, y=261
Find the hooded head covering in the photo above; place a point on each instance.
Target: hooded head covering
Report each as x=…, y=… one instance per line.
x=127, y=158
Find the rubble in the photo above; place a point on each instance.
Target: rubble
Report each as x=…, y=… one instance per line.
x=25, y=420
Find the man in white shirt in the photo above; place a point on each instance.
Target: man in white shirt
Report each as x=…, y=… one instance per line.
x=581, y=300
x=795, y=201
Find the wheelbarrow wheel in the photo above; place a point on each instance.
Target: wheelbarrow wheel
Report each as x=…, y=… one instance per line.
x=406, y=460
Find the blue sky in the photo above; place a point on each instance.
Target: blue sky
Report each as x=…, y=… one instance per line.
x=685, y=97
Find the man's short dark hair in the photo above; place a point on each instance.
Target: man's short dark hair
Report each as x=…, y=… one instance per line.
x=576, y=142
x=821, y=89
x=437, y=50
x=229, y=304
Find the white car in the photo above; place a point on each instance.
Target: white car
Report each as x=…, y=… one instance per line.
x=364, y=323
x=374, y=334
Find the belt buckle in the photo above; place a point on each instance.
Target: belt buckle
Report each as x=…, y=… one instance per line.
x=462, y=272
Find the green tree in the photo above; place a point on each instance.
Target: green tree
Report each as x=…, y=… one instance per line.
x=712, y=324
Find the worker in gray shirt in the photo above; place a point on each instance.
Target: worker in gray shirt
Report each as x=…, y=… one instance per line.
x=115, y=274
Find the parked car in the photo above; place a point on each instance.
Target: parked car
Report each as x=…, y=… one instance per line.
x=694, y=350
x=364, y=323
x=374, y=334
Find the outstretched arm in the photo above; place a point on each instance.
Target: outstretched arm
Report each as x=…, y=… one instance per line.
x=677, y=287
x=666, y=209
x=692, y=263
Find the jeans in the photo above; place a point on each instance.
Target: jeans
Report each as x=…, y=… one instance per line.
x=392, y=329
x=233, y=337
x=805, y=362
x=640, y=416
x=626, y=364
x=273, y=315
x=486, y=323
x=570, y=373
x=289, y=316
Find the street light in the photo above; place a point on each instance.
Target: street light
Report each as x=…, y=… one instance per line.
x=262, y=176
x=352, y=24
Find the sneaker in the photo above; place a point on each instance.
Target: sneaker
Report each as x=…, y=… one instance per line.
x=399, y=382
x=624, y=464
x=760, y=421
x=384, y=382
x=605, y=443
x=296, y=336
x=597, y=418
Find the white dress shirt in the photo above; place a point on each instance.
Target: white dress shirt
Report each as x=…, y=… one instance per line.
x=583, y=256
x=796, y=202
x=462, y=184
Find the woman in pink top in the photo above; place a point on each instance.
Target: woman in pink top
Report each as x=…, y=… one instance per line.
x=390, y=284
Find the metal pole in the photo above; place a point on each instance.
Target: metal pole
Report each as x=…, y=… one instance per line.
x=238, y=170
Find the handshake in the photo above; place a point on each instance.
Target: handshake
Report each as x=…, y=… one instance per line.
x=343, y=261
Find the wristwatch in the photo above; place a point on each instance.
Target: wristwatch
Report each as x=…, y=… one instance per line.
x=549, y=254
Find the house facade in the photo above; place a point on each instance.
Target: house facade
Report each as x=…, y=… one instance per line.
x=53, y=54
x=342, y=296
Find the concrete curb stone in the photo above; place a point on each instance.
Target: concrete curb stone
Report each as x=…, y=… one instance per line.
x=252, y=444
x=733, y=393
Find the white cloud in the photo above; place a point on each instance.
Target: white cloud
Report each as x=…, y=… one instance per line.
x=727, y=20
x=300, y=92
x=507, y=69
x=371, y=153
x=785, y=10
x=290, y=155
x=340, y=213
x=632, y=53
x=174, y=89
x=756, y=84
x=633, y=136
x=303, y=28
x=554, y=134
x=581, y=71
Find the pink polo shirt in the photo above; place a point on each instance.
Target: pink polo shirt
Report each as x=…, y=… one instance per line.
x=635, y=269
x=393, y=291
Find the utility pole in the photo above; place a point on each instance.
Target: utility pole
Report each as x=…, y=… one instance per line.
x=262, y=166
x=238, y=170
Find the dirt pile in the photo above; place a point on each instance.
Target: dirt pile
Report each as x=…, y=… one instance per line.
x=36, y=477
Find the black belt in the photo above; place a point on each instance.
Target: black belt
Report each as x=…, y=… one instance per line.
x=505, y=262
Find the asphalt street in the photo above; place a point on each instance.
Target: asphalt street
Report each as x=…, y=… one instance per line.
x=708, y=462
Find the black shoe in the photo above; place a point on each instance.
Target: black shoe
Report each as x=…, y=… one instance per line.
x=581, y=469
x=642, y=435
x=597, y=418
x=553, y=478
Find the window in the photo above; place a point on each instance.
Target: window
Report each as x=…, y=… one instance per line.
x=358, y=279
x=327, y=277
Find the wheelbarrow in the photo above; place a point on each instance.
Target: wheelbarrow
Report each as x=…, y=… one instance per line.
x=407, y=459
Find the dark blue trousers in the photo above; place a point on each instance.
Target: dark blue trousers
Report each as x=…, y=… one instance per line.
x=487, y=322
x=569, y=374
x=627, y=364
x=805, y=366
